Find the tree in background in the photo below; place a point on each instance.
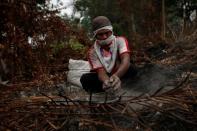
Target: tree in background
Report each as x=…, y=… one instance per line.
x=129, y=17
x=138, y=19
x=33, y=38
x=179, y=15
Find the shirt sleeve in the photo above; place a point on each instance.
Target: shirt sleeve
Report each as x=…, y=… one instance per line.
x=123, y=45
x=93, y=59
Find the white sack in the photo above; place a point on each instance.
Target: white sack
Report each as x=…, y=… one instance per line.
x=76, y=69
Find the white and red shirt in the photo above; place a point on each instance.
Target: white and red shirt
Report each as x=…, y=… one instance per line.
x=109, y=59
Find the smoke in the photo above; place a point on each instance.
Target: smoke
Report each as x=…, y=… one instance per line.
x=149, y=79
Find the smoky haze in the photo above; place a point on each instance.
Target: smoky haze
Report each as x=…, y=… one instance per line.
x=149, y=79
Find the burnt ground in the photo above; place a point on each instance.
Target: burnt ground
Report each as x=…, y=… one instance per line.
x=164, y=89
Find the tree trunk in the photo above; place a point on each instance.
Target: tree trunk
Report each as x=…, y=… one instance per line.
x=163, y=32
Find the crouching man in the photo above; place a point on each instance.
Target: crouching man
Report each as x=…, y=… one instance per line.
x=109, y=58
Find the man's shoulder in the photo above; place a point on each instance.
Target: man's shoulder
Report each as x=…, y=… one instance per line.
x=121, y=39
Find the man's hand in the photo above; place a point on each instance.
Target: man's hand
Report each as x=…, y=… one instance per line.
x=115, y=82
x=107, y=84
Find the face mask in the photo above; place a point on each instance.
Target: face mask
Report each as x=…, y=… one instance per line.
x=106, y=41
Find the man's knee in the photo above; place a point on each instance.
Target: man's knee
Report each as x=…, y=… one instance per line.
x=91, y=83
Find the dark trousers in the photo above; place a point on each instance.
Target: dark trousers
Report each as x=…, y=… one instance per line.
x=91, y=82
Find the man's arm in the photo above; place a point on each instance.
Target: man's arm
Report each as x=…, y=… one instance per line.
x=124, y=65
x=102, y=75
x=114, y=80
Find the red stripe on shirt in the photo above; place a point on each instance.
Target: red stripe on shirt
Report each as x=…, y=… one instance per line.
x=127, y=43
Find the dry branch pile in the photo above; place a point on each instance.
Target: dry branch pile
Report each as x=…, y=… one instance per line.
x=174, y=109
